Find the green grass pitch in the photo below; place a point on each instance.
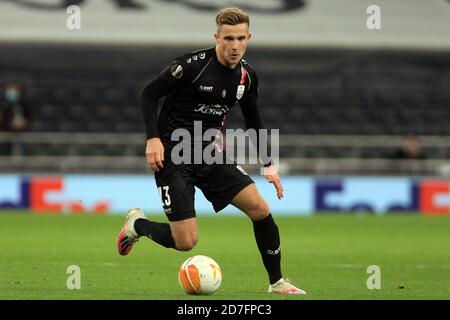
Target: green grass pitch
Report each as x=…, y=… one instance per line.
x=326, y=255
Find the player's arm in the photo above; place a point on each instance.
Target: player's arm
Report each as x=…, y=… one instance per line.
x=164, y=84
x=252, y=117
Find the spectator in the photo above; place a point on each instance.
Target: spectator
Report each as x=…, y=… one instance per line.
x=13, y=109
x=13, y=113
x=410, y=150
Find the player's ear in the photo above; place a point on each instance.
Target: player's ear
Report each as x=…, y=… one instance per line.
x=249, y=36
x=216, y=37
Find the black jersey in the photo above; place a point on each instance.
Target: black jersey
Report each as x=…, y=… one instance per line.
x=199, y=88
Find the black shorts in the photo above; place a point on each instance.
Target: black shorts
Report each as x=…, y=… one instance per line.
x=220, y=183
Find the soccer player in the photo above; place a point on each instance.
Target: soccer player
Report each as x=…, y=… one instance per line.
x=203, y=86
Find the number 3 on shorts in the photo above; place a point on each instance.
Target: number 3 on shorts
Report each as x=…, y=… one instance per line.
x=165, y=198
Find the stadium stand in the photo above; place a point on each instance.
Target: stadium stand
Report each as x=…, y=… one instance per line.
x=302, y=92
x=307, y=92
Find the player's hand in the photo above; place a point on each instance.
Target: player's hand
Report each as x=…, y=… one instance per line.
x=154, y=154
x=271, y=175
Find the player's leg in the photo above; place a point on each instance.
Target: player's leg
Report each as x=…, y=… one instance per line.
x=265, y=230
x=223, y=184
x=267, y=237
x=250, y=201
x=185, y=233
x=229, y=183
x=177, y=195
x=180, y=235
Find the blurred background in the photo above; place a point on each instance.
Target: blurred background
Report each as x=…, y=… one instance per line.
x=360, y=94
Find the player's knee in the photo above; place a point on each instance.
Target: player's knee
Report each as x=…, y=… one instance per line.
x=258, y=210
x=186, y=244
x=185, y=234
x=263, y=209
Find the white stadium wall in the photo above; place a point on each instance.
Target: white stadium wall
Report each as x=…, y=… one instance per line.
x=293, y=23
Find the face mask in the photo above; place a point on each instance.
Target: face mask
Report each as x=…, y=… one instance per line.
x=11, y=95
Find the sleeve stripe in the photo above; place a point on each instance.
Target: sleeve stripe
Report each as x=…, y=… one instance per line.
x=243, y=70
x=243, y=74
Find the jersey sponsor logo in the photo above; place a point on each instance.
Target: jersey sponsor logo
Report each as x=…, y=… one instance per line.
x=214, y=109
x=224, y=93
x=240, y=91
x=205, y=88
x=189, y=60
x=177, y=71
x=202, y=55
x=195, y=58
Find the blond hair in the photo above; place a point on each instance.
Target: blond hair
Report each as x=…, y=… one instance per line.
x=232, y=16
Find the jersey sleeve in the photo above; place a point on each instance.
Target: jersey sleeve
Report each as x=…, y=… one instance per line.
x=252, y=116
x=178, y=74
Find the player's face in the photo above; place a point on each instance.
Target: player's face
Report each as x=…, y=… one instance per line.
x=232, y=43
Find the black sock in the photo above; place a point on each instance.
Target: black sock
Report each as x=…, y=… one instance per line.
x=157, y=231
x=268, y=241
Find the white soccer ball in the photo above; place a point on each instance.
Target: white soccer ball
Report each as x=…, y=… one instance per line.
x=200, y=275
